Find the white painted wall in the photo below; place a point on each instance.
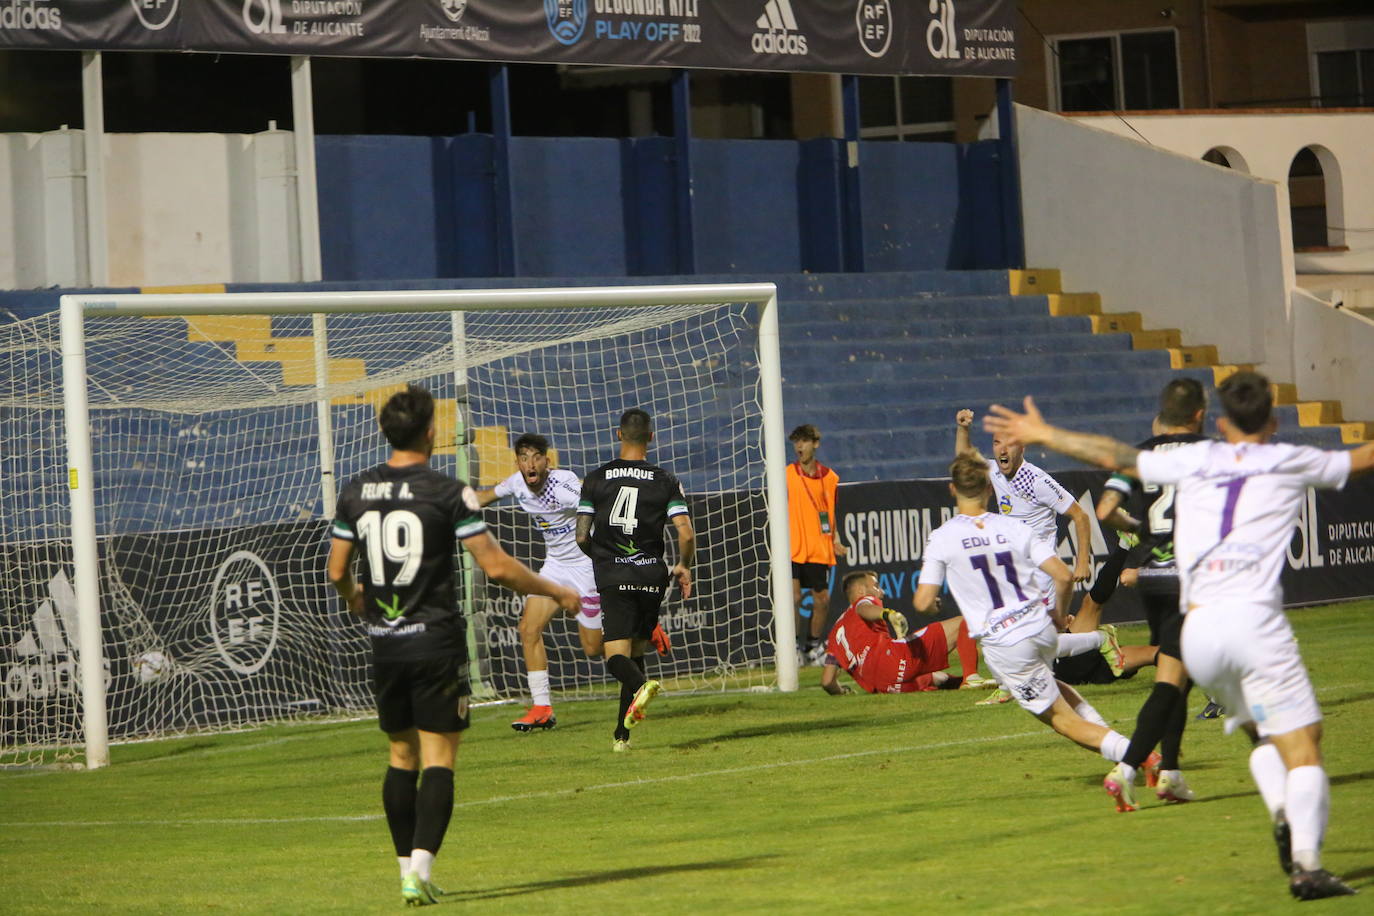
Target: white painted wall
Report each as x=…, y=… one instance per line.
x=1190, y=245
x=1266, y=143
x=181, y=209
x=1333, y=355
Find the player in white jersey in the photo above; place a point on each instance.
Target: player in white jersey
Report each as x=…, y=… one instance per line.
x=990, y=563
x=1236, y=503
x=550, y=496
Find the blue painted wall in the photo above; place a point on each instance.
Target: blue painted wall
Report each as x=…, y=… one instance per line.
x=396, y=208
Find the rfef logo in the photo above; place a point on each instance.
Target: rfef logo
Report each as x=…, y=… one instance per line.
x=155, y=15
x=942, y=28
x=874, y=19
x=567, y=19
x=245, y=612
x=777, y=30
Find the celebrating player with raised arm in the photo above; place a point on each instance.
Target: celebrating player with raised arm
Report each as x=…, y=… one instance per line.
x=407, y=518
x=625, y=506
x=550, y=496
x=990, y=562
x=872, y=644
x=1236, y=503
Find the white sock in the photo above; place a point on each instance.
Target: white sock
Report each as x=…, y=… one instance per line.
x=1127, y=771
x=1078, y=643
x=1086, y=710
x=404, y=862
x=1270, y=775
x=420, y=862
x=539, y=688
x=1307, y=805
x=1114, y=746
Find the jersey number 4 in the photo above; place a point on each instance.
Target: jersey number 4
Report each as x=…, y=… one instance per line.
x=623, y=510
x=398, y=536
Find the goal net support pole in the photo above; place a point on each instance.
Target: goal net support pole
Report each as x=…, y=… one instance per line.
x=75, y=308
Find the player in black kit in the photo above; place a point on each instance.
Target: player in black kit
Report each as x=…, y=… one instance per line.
x=1162, y=717
x=406, y=521
x=625, y=506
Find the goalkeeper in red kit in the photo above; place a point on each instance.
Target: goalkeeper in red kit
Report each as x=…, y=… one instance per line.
x=872, y=644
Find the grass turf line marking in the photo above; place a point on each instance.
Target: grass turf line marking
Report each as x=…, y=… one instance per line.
x=530, y=796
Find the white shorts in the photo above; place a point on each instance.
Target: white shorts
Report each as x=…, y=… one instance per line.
x=582, y=580
x=1026, y=669
x=1246, y=657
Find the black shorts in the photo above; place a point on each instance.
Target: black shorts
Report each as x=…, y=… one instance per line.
x=815, y=576
x=630, y=611
x=1088, y=668
x=1166, y=624
x=430, y=694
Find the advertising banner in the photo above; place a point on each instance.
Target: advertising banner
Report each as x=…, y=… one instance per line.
x=942, y=37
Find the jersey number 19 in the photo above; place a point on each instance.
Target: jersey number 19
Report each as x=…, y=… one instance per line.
x=398, y=536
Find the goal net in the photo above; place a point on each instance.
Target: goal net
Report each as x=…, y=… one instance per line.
x=212, y=436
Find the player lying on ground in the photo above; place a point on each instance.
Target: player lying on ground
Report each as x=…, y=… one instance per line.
x=550, y=496
x=990, y=562
x=1237, y=502
x=871, y=643
x=625, y=506
x=1088, y=651
x=407, y=519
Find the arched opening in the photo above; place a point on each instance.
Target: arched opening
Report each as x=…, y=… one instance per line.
x=1307, y=200
x=1226, y=157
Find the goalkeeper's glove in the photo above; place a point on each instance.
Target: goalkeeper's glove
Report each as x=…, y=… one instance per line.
x=660, y=640
x=896, y=623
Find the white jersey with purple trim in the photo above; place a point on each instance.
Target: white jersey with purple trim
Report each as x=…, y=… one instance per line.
x=1234, y=513
x=991, y=564
x=554, y=510
x=1030, y=496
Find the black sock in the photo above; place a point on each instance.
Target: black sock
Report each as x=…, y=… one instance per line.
x=639, y=663
x=433, y=808
x=1105, y=583
x=627, y=696
x=398, y=801
x=1151, y=722
x=1173, y=731
x=630, y=673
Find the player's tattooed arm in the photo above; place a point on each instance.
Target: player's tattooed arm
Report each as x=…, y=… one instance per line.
x=584, y=533
x=1109, y=511
x=1030, y=428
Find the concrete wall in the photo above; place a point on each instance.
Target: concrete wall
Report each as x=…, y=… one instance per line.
x=1190, y=245
x=1263, y=144
x=42, y=209
x=1332, y=355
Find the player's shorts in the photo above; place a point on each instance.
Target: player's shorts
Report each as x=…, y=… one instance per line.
x=1088, y=668
x=815, y=576
x=630, y=611
x=430, y=694
x=582, y=580
x=1166, y=623
x=1246, y=657
x=1027, y=669
x=904, y=665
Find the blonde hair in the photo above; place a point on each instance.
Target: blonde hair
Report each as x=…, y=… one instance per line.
x=969, y=474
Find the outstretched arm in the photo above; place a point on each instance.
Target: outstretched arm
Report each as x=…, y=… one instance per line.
x=1030, y=428
x=1362, y=459
x=963, y=421
x=1110, y=512
x=830, y=681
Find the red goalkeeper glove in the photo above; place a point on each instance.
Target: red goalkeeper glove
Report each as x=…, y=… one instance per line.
x=660, y=640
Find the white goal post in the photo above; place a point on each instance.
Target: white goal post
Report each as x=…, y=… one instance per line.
x=675, y=303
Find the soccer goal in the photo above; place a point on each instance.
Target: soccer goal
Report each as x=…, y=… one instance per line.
x=171, y=464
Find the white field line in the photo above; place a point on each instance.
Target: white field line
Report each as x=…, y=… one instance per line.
x=529, y=796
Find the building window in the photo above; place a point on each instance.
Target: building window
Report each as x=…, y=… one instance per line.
x=906, y=108
x=1118, y=71
x=1345, y=79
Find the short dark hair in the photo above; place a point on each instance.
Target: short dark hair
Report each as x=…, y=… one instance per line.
x=969, y=474
x=1247, y=400
x=1180, y=401
x=636, y=427
x=406, y=417
x=805, y=432
x=852, y=578
x=532, y=441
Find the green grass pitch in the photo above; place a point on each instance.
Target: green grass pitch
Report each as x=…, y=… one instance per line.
x=729, y=803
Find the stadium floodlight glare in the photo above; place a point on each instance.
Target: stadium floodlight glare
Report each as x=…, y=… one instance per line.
x=206, y=436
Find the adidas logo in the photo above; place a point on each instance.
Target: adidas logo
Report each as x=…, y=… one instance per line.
x=777, y=30
x=46, y=655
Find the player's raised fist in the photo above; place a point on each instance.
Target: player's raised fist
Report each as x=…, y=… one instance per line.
x=964, y=418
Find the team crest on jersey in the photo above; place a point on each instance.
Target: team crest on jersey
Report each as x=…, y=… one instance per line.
x=1004, y=504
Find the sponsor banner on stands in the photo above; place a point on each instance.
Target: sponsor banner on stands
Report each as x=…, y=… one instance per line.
x=942, y=37
x=885, y=527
